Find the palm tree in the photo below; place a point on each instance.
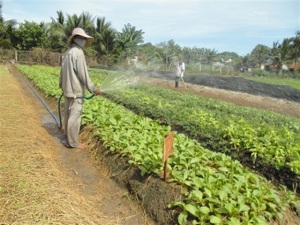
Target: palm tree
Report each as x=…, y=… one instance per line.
x=295, y=47
x=6, y=31
x=7, y=38
x=72, y=22
x=280, y=53
x=61, y=28
x=210, y=55
x=60, y=18
x=129, y=39
x=56, y=32
x=1, y=18
x=105, y=41
x=87, y=23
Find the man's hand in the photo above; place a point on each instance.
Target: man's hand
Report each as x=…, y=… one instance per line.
x=97, y=91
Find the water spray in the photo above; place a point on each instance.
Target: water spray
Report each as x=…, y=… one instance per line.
x=119, y=80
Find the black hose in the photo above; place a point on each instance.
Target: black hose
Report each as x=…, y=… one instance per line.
x=57, y=121
x=59, y=112
x=43, y=102
x=89, y=97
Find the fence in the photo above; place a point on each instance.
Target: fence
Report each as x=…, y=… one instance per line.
x=37, y=56
x=6, y=55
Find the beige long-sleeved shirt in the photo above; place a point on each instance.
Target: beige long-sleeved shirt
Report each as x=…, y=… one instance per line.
x=74, y=77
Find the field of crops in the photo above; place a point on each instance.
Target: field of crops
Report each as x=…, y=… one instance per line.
x=217, y=189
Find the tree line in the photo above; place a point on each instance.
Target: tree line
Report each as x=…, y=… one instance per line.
x=113, y=47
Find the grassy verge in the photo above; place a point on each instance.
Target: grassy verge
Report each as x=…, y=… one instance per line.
x=295, y=83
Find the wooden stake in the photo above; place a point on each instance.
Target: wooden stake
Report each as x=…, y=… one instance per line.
x=167, y=151
x=166, y=170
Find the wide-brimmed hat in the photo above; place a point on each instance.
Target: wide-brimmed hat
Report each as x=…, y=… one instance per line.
x=79, y=31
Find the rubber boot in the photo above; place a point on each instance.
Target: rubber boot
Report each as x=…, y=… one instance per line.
x=176, y=84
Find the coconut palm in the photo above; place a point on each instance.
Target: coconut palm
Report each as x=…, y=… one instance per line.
x=280, y=53
x=72, y=22
x=61, y=28
x=295, y=47
x=105, y=39
x=210, y=55
x=56, y=32
x=7, y=38
x=6, y=31
x=128, y=40
x=1, y=18
x=87, y=23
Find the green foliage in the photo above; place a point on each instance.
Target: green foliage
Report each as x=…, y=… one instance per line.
x=128, y=40
x=225, y=127
x=6, y=34
x=260, y=73
x=44, y=77
x=259, y=54
x=277, y=81
x=29, y=35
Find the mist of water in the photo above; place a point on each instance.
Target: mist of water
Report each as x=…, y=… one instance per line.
x=118, y=80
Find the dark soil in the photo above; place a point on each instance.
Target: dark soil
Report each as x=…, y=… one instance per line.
x=240, y=84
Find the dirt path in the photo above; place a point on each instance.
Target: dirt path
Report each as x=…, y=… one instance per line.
x=41, y=182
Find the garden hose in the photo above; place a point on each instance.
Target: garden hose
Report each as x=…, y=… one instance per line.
x=41, y=100
x=57, y=121
x=59, y=124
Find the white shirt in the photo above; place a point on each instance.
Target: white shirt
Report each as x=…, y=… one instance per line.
x=180, y=69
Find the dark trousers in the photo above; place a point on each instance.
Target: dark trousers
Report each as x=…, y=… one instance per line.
x=177, y=81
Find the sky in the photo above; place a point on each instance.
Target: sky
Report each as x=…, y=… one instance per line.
x=223, y=25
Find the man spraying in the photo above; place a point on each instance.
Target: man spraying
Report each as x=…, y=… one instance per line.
x=74, y=80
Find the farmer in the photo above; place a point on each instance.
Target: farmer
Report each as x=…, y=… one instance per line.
x=74, y=80
x=180, y=72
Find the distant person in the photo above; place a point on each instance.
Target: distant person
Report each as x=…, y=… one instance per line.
x=74, y=80
x=180, y=73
